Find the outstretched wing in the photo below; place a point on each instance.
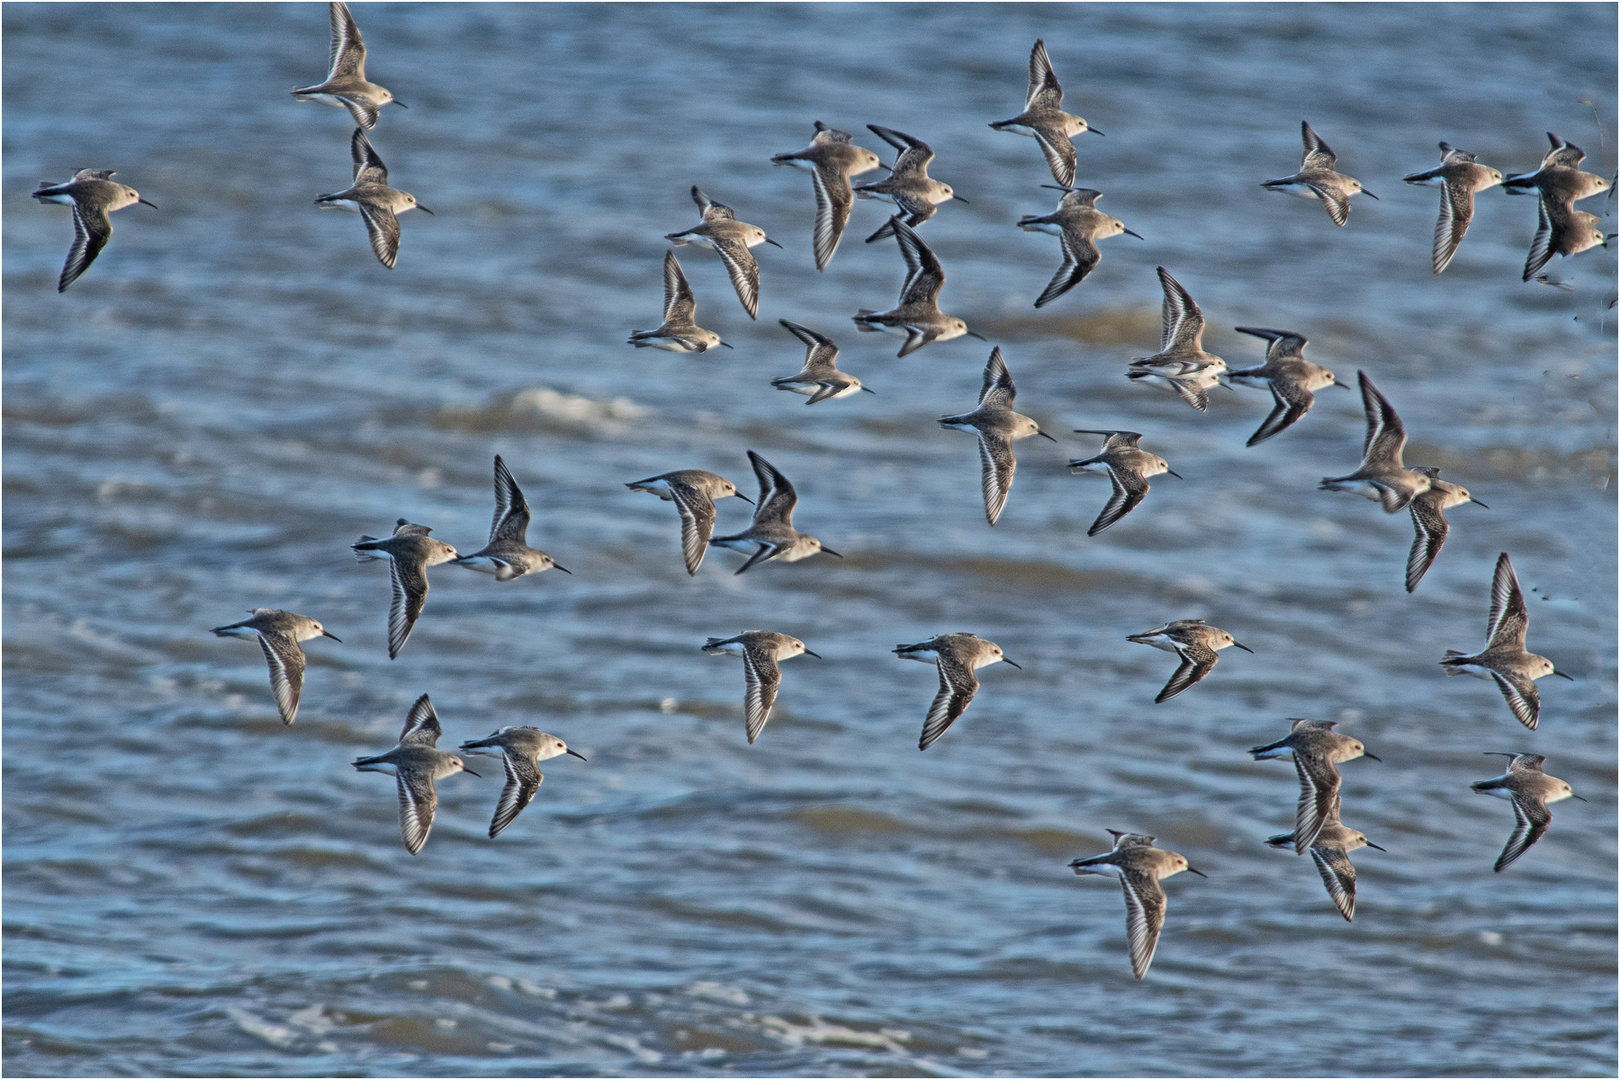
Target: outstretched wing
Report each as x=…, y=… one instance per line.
x=522, y=781
x=511, y=520
x=92, y=228
x=1542, y=247
x=957, y=685
x=286, y=661
x=833, y=200
x=368, y=167
x=997, y=391
x=1456, y=211
x=1318, y=155
x=1080, y=257
x=1128, y=493
x=421, y=725
x=1196, y=660
x=697, y=522
x=417, y=803
x=409, y=579
x=996, y=473
x=1182, y=324
x=1144, y=917
x=763, y=677
x=776, y=495
x=1044, y=91
x=924, y=275
x=1430, y=527
x=348, y=55
x=1318, y=798
x=383, y=228
x=1339, y=875
x=680, y=306
x=1530, y=821
x=1292, y=401
x=1522, y=697
x=1336, y=202
x=1386, y=435
x=744, y=271
x=1508, y=616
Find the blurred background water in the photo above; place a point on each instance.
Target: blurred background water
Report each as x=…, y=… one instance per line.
x=237, y=389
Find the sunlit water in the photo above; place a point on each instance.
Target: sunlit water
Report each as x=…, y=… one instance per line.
x=236, y=390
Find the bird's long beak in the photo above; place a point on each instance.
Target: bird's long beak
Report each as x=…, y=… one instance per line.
x=745, y=498
x=1093, y=130
x=727, y=345
x=1019, y=666
x=1345, y=386
x=1175, y=474
x=1044, y=435
x=1240, y=645
x=973, y=334
x=830, y=551
x=577, y=754
x=817, y=655
x=1375, y=757
x=1128, y=232
x=958, y=198
x=1561, y=675
x=1370, y=195
x=402, y=105
x=425, y=210
x=467, y=770
x=1375, y=847
x=1476, y=502
x=334, y=637
x=1575, y=796
x=869, y=390
x=773, y=243
x=564, y=569
x=1200, y=873
x=153, y=205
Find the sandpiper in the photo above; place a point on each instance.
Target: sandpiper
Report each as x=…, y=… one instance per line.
x=820, y=379
x=1317, y=179
x=761, y=651
x=370, y=196
x=1140, y=867
x=416, y=763
x=997, y=427
x=908, y=185
x=1078, y=225
x=679, y=333
x=730, y=239
x=1382, y=476
x=917, y=318
x=1128, y=467
x=346, y=86
x=1530, y=790
x=1181, y=362
x=1559, y=178
x=508, y=554
x=1331, y=852
x=1044, y=120
x=410, y=551
x=279, y=633
x=1192, y=640
x=522, y=750
x=693, y=492
x=1292, y=380
x=1561, y=230
x=772, y=535
x=1429, y=522
x=1317, y=750
x=957, y=656
x=831, y=159
x=1505, y=659
x=1459, y=178
x=93, y=195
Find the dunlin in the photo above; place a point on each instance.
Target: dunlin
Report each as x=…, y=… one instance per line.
x=1292, y=380
x=820, y=379
x=693, y=492
x=679, y=333
x=1561, y=230
x=346, y=86
x=1382, y=476
x=908, y=185
x=1559, y=178
x=370, y=196
x=1128, y=467
x=1078, y=225
x=1429, y=522
x=1181, y=362
x=522, y=750
x=410, y=551
x=1529, y=789
x=1458, y=179
x=1044, y=120
x=1317, y=179
x=1505, y=659
x=1331, y=852
x=917, y=318
x=772, y=535
x=93, y=195
x=508, y=554
x=761, y=651
x=1195, y=642
x=957, y=655
x=997, y=427
x=416, y=763
x=730, y=239
x=831, y=159
x=279, y=633
x=1317, y=750
x=1140, y=867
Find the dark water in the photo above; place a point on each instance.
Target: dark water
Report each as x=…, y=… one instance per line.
x=236, y=390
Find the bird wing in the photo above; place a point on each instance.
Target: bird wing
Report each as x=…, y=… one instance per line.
x=368, y=167
x=1318, y=797
x=996, y=476
x=1059, y=151
x=1080, y=257
x=409, y=579
x=697, y=522
x=1456, y=211
x=1144, y=916
x=680, y=305
x=1291, y=401
x=1339, y=875
x=511, y=520
x=820, y=349
x=711, y=211
x=1196, y=660
x=1530, y=819
x=286, y=661
x=1196, y=396
x=997, y=391
x=776, y=495
x=1386, y=435
x=833, y=200
x=1522, y=697
x=92, y=229
x=348, y=55
x=1508, y=616
x=924, y=275
x=1336, y=202
x=744, y=271
x=957, y=685
x=421, y=725
x=1182, y=324
x=763, y=676
x=1044, y=91
x=523, y=779
x=383, y=228
x=1542, y=246
x=1318, y=155
x=417, y=802
x=1127, y=494
x=1430, y=528
x=765, y=552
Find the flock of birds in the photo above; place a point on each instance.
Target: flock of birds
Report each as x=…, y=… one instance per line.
x=1181, y=364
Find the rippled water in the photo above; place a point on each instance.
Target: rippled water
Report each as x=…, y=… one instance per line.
x=237, y=389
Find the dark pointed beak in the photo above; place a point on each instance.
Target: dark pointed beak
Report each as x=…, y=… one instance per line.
x=958, y=198
x=1375, y=757
x=1476, y=502
x=153, y=205
x=727, y=345
x=1190, y=870
x=1240, y=645
x=1375, y=847
x=334, y=637
x=1561, y=675
x=869, y=390
x=817, y=655
x=830, y=551
x=1138, y=235
x=1175, y=474
x=745, y=498
x=402, y=105
x=1044, y=435
x=467, y=770
x=577, y=754
x=564, y=569
x=1345, y=386
x=981, y=337
x=1575, y=796
x=1020, y=667
x=425, y=210
x=773, y=243
x=1093, y=130
x=1370, y=195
